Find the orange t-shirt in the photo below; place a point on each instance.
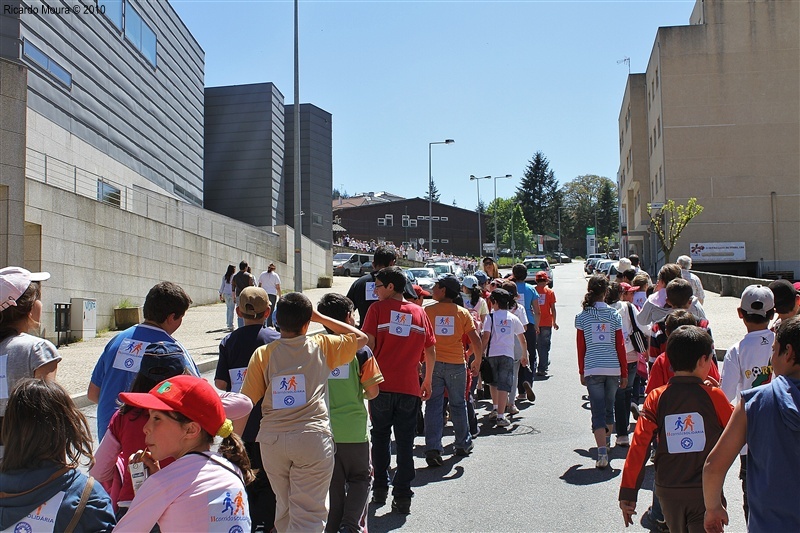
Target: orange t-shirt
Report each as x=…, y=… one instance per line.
x=450, y=322
x=547, y=298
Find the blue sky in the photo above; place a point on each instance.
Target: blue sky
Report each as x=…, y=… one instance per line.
x=503, y=79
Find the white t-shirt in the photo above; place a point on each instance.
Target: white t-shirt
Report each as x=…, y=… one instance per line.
x=503, y=327
x=20, y=356
x=269, y=282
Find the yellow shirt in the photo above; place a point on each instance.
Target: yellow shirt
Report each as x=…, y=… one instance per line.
x=291, y=375
x=450, y=323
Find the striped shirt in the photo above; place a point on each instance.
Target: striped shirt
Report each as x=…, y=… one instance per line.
x=598, y=327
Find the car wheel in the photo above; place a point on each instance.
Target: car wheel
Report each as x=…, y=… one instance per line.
x=347, y=273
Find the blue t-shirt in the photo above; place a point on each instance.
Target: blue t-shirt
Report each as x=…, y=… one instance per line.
x=526, y=295
x=119, y=364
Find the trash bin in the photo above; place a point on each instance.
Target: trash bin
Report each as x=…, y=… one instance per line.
x=62, y=321
x=83, y=321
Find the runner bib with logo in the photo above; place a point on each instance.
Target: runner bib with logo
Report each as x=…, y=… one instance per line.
x=602, y=333
x=228, y=512
x=685, y=432
x=445, y=325
x=340, y=372
x=370, y=293
x=237, y=378
x=40, y=520
x=400, y=324
x=129, y=355
x=288, y=391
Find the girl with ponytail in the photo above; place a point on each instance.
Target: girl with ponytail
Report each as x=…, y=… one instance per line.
x=201, y=488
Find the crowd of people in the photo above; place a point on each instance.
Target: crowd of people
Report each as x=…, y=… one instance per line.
x=295, y=433
x=407, y=251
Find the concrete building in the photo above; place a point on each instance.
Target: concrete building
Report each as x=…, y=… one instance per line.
x=406, y=221
x=716, y=116
x=101, y=166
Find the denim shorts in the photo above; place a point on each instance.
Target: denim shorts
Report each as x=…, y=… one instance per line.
x=503, y=370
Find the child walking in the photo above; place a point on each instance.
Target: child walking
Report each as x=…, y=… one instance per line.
x=602, y=360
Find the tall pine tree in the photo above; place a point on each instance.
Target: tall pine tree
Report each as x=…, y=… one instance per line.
x=538, y=195
x=434, y=192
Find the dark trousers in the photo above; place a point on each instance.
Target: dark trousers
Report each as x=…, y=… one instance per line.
x=526, y=373
x=273, y=299
x=743, y=477
x=349, y=492
x=684, y=515
x=392, y=410
x=260, y=496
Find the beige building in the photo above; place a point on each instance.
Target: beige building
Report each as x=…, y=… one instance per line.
x=716, y=116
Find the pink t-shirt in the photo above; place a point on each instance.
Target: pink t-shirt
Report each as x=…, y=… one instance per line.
x=195, y=493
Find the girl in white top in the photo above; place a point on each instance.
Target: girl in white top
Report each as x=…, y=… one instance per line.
x=501, y=327
x=201, y=490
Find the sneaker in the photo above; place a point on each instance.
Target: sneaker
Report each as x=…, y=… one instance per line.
x=521, y=397
x=379, y=495
x=635, y=410
x=503, y=422
x=493, y=414
x=433, y=458
x=464, y=452
x=529, y=394
x=401, y=504
x=541, y=373
x=623, y=440
x=512, y=409
x=602, y=461
x=650, y=523
x=653, y=455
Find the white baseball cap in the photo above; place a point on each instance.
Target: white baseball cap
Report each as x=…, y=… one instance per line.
x=14, y=281
x=757, y=300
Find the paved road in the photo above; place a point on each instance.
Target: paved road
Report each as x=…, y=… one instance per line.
x=537, y=475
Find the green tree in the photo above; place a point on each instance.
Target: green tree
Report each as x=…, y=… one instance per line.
x=339, y=194
x=607, y=212
x=502, y=207
x=581, y=203
x=669, y=222
x=538, y=192
x=522, y=238
x=433, y=192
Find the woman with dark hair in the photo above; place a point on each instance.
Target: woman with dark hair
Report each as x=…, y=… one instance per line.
x=22, y=355
x=601, y=360
x=226, y=295
x=201, y=487
x=46, y=436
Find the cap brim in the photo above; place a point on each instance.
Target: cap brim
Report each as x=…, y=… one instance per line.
x=144, y=400
x=40, y=276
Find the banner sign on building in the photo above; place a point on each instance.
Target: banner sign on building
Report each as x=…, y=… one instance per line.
x=717, y=251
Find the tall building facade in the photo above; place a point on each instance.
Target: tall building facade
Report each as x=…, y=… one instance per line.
x=244, y=153
x=716, y=116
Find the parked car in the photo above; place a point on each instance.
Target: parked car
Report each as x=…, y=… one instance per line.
x=424, y=277
x=591, y=261
x=603, y=266
x=366, y=268
x=562, y=258
x=349, y=264
x=535, y=266
x=446, y=268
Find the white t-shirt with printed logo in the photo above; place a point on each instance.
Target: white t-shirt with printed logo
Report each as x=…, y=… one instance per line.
x=504, y=326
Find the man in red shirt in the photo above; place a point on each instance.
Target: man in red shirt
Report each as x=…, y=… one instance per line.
x=398, y=332
x=547, y=321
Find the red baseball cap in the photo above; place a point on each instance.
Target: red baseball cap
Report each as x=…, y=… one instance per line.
x=190, y=396
x=421, y=293
x=627, y=287
x=542, y=276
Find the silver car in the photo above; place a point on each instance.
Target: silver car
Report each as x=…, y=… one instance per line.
x=424, y=277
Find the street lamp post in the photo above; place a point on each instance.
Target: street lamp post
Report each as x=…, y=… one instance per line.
x=495, y=178
x=478, y=185
x=559, y=233
x=430, y=192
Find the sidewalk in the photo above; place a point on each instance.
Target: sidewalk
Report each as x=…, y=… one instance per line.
x=202, y=330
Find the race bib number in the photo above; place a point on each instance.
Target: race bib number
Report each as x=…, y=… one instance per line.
x=542, y=299
x=3, y=377
x=129, y=355
x=228, y=511
x=445, y=325
x=41, y=520
x=504, y=326
x=340, y=372
x=686, y=433
x=602, y=333
x=288, y=391
x=237, y=378
x=370, y=291
x=400, y=324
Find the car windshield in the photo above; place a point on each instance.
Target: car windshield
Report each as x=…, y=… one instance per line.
x=441, y=269
x=537, y=265
x=341, y=257
x=423, y=272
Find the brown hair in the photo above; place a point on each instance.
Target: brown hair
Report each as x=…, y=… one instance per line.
x=10, y=316
x=595, y=290
x=679, y=293
x=231, y=448
x=42, y=423
x=669, y=272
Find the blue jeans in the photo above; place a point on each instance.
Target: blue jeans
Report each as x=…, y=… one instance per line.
x=399, y=411
x=543, y=347
x=526, y=372
x=452, y=377
x=602, y=390
x=273, y=301
x=622, y=403
x=230, y=304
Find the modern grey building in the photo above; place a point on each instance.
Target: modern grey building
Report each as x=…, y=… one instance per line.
x=316, y=172
x=244, y=153
x=123, y=76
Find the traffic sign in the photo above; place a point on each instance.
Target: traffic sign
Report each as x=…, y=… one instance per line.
x=560, y=248
x=421, y=240
x=488, y=247
x=589, y=231
x=657, y=205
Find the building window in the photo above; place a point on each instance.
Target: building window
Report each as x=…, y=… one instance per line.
x=656, y=78
x=41, y=59
x=381, y=222
x=405, y=217
x=139, y=34
x=420, y=217
x=658, y=126
x=445, y=241
x=435, y=240
x=108, y=194
x=389, y=220
x=316, y=219
x=444, y=219
x=112, y=9
x=413, y=223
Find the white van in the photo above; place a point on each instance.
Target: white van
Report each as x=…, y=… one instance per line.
x=349, y=264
